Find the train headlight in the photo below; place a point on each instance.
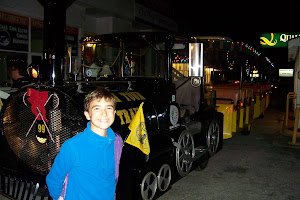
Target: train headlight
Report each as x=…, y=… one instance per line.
x=32, y=72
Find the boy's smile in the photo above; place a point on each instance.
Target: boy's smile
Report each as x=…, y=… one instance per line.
x=101, y=115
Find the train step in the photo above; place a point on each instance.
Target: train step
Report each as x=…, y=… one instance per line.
x=14, y=188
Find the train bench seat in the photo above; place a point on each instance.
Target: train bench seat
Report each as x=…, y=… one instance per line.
x=229, y=93
x=187, y=96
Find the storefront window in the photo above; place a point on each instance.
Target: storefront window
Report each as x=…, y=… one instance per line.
x=37, y=35
x=21, y=41
x=14, y=40
x=9, y=62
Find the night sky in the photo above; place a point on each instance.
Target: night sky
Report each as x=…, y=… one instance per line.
x=241, y=21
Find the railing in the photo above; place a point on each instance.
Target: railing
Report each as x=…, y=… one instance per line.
x=295, y=126
x=292, y=95
x=15, y=188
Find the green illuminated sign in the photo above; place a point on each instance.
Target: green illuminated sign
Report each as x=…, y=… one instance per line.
x=276, y=40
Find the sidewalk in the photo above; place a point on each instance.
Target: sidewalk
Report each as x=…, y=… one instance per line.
x=272, y=125
x=248, y=167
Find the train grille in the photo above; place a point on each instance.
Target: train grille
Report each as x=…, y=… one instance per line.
x=35, y=140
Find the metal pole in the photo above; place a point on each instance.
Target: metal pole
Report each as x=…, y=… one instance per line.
x=168, y=47
x=241, y=82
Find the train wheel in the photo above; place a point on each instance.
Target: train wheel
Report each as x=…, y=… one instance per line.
x=149, y=186
x=164, y=177
x=213, y=137
x=184, y=153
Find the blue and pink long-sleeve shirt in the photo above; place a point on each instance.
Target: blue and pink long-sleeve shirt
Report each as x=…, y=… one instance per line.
x=92, y=162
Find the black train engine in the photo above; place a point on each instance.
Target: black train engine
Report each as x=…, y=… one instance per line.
x=183, y=131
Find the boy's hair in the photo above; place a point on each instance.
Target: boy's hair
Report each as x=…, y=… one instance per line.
x=98, y=93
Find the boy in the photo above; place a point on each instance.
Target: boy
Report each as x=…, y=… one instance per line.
x=91, y=158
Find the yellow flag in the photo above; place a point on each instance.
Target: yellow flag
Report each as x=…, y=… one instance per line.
x=138, y=136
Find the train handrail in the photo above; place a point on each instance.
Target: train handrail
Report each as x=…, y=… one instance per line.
x=225, y=99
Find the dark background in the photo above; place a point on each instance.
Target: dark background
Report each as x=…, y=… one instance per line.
x=242, y=21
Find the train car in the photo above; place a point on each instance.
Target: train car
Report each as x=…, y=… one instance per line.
x=183, y=131
x=235, y=104
x=237, y=75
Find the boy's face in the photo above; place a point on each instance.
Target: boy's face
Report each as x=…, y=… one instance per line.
x=101, y=115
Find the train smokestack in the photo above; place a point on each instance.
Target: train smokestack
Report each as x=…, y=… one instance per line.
x=54, y=43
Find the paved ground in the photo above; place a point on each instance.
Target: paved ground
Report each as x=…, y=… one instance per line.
x=259, y=166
